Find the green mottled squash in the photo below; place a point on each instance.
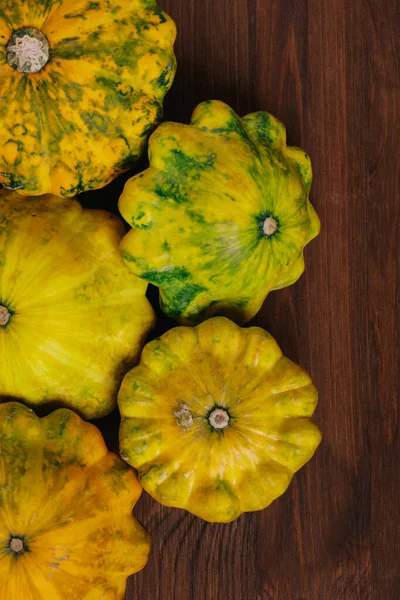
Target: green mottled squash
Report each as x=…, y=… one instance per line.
x=73, y=319
x=81, y=87
x=222, y=215
x=216, y=420
x=66, y=525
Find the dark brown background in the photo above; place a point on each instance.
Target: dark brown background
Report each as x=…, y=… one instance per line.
x=329, y=69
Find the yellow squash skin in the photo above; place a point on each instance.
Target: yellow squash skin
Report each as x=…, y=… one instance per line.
x=193, y=378
x=85, y=116
x=222, y=215
x=66, y=526
x=73, y=319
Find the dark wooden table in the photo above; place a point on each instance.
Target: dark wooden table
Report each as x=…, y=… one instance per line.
x=329, y=69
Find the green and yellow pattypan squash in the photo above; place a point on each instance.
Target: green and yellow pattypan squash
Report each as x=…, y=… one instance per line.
x=222, y=215
x=81, y=88
x=66, y=526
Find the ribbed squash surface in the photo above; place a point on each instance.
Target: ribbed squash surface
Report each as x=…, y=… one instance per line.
x=85, y=115
x=66, y=525
x=73, y=319
x=216, y=420
x=222, y=215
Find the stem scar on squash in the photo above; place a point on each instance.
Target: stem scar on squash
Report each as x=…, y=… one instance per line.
x=183, y=416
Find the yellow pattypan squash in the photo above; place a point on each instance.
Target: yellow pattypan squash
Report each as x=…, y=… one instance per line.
x=216, y=420
x=222, y=215
x=81, y=87
x=73, y=319
x=66, y=525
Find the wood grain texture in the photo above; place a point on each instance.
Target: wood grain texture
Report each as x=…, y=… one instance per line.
x=329, y=69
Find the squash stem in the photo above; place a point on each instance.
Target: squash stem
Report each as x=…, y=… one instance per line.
x=219, y=418
x=17, y=545
x=270, y=225
x=4, y=316
x=28, y=50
